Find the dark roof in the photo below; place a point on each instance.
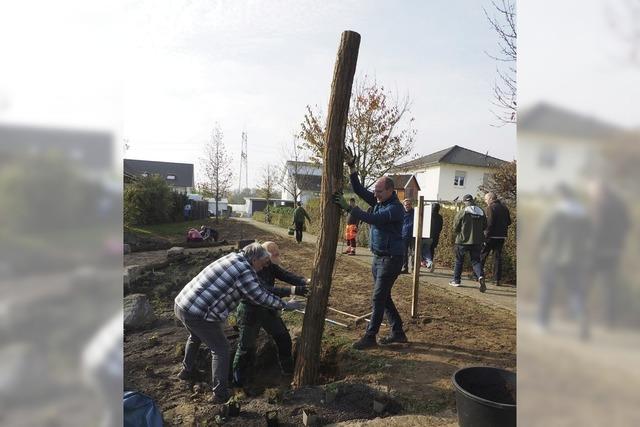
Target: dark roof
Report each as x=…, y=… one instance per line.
x=182, y=171
x=553, y=120
x=401, y=181
x=308, y=182
x=92, y=149
x=455, y=155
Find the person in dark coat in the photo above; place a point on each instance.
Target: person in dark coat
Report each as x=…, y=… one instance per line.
x=407, y=234
x=299, y=215
x=498, y=221
x=386, y=246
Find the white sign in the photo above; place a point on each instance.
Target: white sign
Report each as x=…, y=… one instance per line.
x=426, y=221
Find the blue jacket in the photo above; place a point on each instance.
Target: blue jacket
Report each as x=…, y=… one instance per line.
x=386, y=220
x=407, y=225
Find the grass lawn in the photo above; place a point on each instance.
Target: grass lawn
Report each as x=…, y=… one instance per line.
x=173, y=230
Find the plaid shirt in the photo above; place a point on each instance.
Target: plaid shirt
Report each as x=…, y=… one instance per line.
x=216, y=291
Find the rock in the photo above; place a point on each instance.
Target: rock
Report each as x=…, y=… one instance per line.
x=137, y=311
x=175, y=252
x=126, y=248
x=131, y=274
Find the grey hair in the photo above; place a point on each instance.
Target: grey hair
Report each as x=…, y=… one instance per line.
x=255, y=252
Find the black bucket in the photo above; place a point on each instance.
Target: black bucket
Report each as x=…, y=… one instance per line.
x=485, y=397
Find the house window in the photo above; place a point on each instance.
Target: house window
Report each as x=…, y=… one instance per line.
x=171, y=177
x=458, y=180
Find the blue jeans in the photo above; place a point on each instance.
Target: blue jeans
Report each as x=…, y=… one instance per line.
x=474, y=253
x=385, y=270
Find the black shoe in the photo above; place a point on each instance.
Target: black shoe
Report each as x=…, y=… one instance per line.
x=367, y=341
x=185, y=375
x=405, y=271
x=498, y=283
x=217, y=400
x=483, y=287
x=390, y=339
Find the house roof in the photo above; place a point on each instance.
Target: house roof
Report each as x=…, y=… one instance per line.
x=308, y=182
x=554, y=120
x=182, y=171
x=92, y=149
x=401, y=181
x=454, y=155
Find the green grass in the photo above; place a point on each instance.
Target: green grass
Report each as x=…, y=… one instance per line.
x=174, y=230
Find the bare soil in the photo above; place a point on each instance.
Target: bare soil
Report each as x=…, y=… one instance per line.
x=452, y=331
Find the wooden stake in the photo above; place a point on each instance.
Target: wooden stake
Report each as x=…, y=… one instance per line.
x=417, y=258
x=308, y=359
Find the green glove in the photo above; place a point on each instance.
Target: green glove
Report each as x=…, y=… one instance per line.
x=340, y=201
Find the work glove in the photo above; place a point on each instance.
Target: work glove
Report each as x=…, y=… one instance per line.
x=349, y=158
x=340, y=201
x=299, y=290
x=293, y=305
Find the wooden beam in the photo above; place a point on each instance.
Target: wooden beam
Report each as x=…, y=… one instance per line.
x=417, y=259
x=308, y=359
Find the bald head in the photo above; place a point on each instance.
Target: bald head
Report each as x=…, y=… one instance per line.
x=490, y=197
x=383, y=189
x=274, y=251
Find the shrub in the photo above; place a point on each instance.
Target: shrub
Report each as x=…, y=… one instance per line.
x=148, y=200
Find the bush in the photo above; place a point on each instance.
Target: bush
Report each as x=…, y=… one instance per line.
x=149, y=200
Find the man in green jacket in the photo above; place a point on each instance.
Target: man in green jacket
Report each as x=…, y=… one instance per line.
x=299, y=214
x=469, y=225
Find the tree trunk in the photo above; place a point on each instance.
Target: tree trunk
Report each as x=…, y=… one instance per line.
x=308, y=359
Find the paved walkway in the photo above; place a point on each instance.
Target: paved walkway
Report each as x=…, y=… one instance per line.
x=503, y=296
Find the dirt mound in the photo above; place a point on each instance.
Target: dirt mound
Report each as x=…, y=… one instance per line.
x=139, y=242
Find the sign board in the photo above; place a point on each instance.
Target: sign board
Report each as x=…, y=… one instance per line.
x=426, y=221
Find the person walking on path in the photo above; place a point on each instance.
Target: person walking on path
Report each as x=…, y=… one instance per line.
x=429, y=245
x=386, y=246
x=252, y=317
x=299, y=214
x=407, y=234
x=469, y=226
x=351, y=230
x=204, y=304
x=498, y=221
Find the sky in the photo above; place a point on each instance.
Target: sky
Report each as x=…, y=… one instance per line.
x=255, y=65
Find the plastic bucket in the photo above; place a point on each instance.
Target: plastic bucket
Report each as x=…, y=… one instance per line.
x=485, y=397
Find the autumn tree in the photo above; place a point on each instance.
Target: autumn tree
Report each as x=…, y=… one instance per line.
x=503, y=21
x=267, y=187
x=503, y=182
x=217, y=167
x=378, y=130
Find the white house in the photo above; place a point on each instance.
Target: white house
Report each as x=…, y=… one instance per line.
x=222, y=205
x=301, y=177
x=450, y=173
x=560, y=147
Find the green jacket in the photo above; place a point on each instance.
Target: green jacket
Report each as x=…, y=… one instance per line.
x=469, y=226
x=299, y=215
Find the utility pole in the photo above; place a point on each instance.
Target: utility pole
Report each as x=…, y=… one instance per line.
x=243, y=161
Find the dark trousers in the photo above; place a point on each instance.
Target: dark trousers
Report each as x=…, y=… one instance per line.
x=474, y=253
x=351, y=243
x=407, y=246
x=299, y=226
x=494, y=245
x=212, y=334
x=385, y=270
x=250, y=320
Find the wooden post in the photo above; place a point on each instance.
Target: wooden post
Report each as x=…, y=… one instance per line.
x=309, y=345
x=417, y=258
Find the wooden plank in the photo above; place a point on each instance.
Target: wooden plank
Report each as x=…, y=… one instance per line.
x=416, y=259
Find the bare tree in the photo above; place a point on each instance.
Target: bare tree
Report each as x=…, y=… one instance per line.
x=503, y=21
x=296, y=172
x=503, y=182
x=378, y=130
x=217, y=167
x=268, y=187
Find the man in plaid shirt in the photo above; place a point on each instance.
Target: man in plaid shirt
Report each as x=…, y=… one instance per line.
x=206, y=301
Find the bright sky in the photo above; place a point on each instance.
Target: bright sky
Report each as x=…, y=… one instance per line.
x=255, y=65
x=248, y=65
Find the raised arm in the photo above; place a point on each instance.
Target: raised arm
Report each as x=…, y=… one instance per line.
x=359, y=189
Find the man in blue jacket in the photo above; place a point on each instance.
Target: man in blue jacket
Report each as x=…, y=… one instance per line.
x=386, y=245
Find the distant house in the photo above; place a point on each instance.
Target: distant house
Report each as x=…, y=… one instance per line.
x=560, y=146
x=301, y=178
x=86, y=150
x=257, y=204
x=450, y=173
x=179, y=176
x=406, y=186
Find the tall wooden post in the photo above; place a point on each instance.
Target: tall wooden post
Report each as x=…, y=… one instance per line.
x=416, y=259
x=309, y=346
